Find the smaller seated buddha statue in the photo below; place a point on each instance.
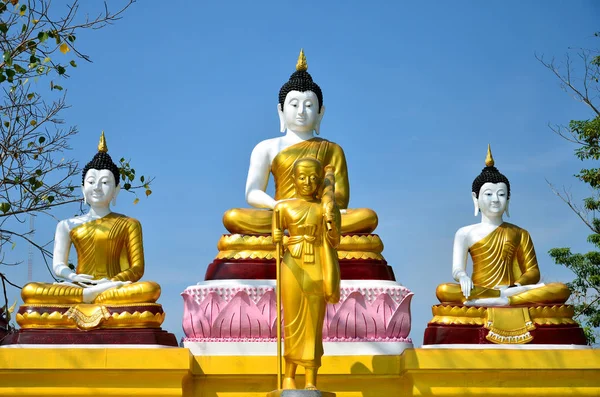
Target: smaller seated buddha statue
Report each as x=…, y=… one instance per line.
x=300, y=112
x=505, y=267
x=502, y=301
x=110, y=260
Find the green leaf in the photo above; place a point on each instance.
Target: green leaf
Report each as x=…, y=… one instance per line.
x=38, y=172
x=50, y=199
x=61, y=69
x=142, y=178
x=22, y=10
x=3, y=26
x=42, y=36
x=127, y=186
x=2, y=77
x=4, y=207
x=42, y=139
x=30, y=96
x=20, y=69
x=57, y=87
x=7, y=57
x=71, y=38
x=72, y=63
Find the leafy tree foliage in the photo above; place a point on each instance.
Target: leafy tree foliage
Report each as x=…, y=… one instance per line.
x=40, y=49
x=585, y=134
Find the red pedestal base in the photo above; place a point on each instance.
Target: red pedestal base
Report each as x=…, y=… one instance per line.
x=264, y=269
x=142, y=336
x=475, y=334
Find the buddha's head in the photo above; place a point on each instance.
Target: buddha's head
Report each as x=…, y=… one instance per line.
x=490, y=190
x=308, y=177
x=300, y=105
x=100, y=178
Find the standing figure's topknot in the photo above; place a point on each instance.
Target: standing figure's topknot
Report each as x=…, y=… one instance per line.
x=489, y=174
x=101, y=161
x=301, y=81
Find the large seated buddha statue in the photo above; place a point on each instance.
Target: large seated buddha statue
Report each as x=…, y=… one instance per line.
x=504, y=285
x=300, y=110
x=104, y=290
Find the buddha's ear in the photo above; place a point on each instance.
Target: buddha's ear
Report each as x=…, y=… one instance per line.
x=282, y=126
x=475, y=203
x=506, y=211
x=319, y=118
x=83, y=193
x=114, y=199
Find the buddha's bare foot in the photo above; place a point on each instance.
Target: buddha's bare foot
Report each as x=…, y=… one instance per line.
x=310, y=387
x=501, y=301
x=289, y=383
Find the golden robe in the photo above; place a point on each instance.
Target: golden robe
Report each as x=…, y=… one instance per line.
x=253, y=221
x=505, y=257
x=109, y=247
x=310, y=277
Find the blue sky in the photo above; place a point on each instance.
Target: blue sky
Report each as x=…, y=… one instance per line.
x=414, y=93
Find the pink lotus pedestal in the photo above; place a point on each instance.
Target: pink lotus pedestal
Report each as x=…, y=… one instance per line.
x=238, y=317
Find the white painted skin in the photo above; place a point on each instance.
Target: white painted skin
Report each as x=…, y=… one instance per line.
x=299, y=119
x=99, y=189
x=493, y=203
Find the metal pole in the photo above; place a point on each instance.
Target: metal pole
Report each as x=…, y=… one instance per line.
x=278, y=293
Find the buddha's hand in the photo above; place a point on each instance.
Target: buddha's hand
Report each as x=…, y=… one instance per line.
x=277, y=235
x=466, y=285
x=83, y=278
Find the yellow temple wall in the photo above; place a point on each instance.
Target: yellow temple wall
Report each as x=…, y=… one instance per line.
x=417, y=372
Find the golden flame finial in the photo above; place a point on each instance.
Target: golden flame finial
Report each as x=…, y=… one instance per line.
x=301, y=65
x=102, y=144
x=489, y=160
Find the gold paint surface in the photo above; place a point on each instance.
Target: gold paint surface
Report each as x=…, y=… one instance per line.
x=109, y=247
x=471, y=315
x=102, y=144
x=489, y=160
x=258, y=221
x=301, y=65
x=241, y=246
x=504, y=257
x=91, y=316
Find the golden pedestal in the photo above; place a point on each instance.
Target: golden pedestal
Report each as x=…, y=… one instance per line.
x=417, y=372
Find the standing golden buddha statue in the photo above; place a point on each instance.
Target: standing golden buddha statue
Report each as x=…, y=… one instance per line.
x=310, y=274
x=503, y=293
x=104, y=291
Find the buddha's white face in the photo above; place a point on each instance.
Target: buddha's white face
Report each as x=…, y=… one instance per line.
x=301, y=111
x=307, y=179
x=493, y=199
x=99, y=187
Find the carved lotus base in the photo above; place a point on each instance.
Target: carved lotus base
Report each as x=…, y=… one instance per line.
x=87, y=317
x=250, y=257
x=138, y=336
x=542, y=324
x=245, y=310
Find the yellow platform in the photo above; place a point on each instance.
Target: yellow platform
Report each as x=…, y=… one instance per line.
x=417, y=372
